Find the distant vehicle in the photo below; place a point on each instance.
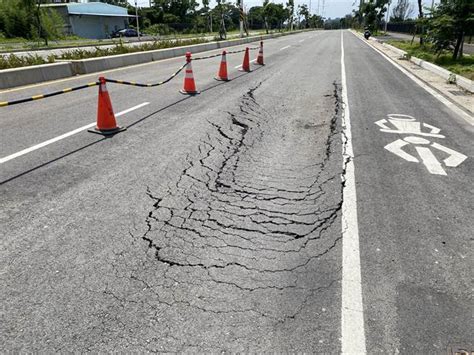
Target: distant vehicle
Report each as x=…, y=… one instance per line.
x=126, y=32
x=367, y=33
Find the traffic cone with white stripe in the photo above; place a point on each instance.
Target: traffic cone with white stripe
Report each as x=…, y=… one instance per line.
x=260, y=54
x=246, y=62
x=222, y=74
x=189, y=87
x=106, y=123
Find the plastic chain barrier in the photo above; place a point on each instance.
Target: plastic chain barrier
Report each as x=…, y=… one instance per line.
x=219, y=54
x=147, y=85
x=55, y=93
x=88, y=85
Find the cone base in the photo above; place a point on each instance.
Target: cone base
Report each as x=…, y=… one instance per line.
x=189, y=92
x=107, y=132
x=247, y=71
x=221, y=79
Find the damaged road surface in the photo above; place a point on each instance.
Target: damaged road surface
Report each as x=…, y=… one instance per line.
x=321, y=203
x=210, y=226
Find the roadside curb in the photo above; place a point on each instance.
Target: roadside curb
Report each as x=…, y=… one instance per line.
x=15, y=77
x=460, y=81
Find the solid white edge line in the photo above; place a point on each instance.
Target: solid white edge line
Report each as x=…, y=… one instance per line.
x=65, y=135
x=285, y=47
x=468, y=118
x=352, y=310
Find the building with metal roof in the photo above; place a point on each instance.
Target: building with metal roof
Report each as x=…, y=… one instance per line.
x=93, y=19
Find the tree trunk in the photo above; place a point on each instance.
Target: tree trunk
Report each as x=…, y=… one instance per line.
x=41, y=33
x=420, y=16
x=456, y=53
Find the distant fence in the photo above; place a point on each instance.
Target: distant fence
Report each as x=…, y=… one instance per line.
x=404, y=27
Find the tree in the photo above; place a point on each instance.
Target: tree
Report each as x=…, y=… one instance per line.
x=255, y=17
x=290, y=9
x=34, y=7
x=402, y=11
x=373, y=12
x=452, y=20
x=316, y=21
x=420, y=20
x=304, y=12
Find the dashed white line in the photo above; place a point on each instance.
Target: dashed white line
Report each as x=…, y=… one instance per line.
x=352, y=310
x=301, y=40
x=65, y=135
x=285, y=47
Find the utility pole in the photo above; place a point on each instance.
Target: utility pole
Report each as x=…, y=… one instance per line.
x=136, y=17
x=241, y=8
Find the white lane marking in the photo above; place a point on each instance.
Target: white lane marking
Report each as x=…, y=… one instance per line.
x=396, y=148
x=285, y=47
x=430, y=161
x=65, y=135
x=238, y=66
x=352, y=310
x=301, y=40
x=454, y=159
x=468, y=118
x=404, y=124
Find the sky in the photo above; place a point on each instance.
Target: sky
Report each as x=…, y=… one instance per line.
x=332, y=8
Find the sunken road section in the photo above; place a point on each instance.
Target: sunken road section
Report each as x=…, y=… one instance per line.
x=246, y=238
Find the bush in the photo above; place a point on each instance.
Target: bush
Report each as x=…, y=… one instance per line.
x=13, y=61
x=159, y=29
x=121, y=49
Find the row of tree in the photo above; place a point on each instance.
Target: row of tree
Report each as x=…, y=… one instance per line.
x=26, y=19
x=188, y=16
x=444, y=26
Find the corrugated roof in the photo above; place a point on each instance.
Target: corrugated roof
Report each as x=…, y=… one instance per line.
x=96, y=9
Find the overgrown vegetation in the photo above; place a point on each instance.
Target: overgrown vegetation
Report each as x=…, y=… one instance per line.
x=13, y=61
x=463, y=66
x=121, y=49
x=27, y=20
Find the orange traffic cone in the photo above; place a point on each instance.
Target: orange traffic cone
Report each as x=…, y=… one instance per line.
x=260, y=54
x=106, y=123
x=222, y=74
x=189, y=87
x=246, y=63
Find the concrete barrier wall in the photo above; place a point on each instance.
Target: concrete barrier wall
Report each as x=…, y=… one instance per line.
x=35, y=74
x=39, y=73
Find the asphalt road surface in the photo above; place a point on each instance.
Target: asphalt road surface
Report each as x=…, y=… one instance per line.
x=234, y=221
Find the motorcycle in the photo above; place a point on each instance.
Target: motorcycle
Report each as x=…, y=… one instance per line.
x=367, y=34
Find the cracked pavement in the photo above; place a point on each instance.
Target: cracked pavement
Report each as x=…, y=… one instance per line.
x=223, y=235
x=214, y=223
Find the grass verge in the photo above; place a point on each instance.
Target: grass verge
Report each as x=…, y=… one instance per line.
x=463, y=66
